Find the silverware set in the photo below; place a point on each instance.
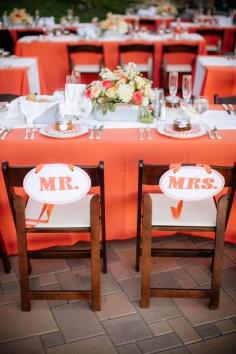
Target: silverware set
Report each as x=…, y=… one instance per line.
x=4, y=132
x=30, y=133
x=96, y=132
x=229, y=108
x=214, y=133
x=148, y=134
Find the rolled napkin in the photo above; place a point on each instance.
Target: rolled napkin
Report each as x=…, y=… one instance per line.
x=30, y=111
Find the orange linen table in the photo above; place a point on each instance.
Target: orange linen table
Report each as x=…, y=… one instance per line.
x=14, y=80
x=220, y=81
x=53, y=57
x=120, y=149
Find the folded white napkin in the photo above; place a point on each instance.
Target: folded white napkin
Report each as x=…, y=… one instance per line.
x=32, y=112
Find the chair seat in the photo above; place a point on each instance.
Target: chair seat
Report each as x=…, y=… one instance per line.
x=192, y=214
x=87, y=68
x=76, y=214
x=181, y=68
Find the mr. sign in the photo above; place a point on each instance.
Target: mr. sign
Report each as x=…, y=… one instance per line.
x=57, y=183
x=191, y=183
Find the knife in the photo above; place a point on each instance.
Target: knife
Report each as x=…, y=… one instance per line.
x=226, y=108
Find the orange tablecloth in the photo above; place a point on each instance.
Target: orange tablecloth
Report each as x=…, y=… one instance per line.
x=14, y=80
x=220, y=81
x=120, y=149
x=53, y=58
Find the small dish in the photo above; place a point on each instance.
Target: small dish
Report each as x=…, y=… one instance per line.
x=196, y=132
x=50, y=132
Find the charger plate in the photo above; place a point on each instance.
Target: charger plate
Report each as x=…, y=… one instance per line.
x=50, y=131
x=198, y=131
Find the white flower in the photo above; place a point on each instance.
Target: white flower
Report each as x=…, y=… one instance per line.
x=125, y=93
x=148, y=91
x=107, y=74
x=131, y=70
x=140, y=82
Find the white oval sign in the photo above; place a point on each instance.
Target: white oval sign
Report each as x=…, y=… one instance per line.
x=191, y=183
x=57, y=184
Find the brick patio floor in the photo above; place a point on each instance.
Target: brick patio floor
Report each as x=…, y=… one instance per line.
x=175, y=326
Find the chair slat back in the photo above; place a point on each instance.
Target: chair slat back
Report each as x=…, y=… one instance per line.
x=88, y=48
x=21, y=34
x=180, y=48
x=137, y=47
x=227, y=100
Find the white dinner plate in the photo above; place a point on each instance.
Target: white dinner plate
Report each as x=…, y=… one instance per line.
x=82, y=129
x=184, y=134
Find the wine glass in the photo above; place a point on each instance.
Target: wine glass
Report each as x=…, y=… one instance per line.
x=70, y=92
x=187, y=87
x=173, y=84
x=158, y=101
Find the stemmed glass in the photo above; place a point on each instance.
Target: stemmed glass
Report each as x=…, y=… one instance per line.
x=173, y=84
x=70, y=91
x=187, y=87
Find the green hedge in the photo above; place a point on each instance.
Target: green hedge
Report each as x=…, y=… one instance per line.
x=85, y=9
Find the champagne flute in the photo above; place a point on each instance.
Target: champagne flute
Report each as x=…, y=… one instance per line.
x=187, y=87
x=173, y=84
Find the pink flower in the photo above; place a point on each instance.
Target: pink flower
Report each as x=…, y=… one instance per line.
x=88, y=92
x=137, y=97
x=107, y=84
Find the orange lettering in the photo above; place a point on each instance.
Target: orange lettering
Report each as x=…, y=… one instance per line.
x=65, y=183
x=193, y=183
x=208, y=183
x=47, y=183
x=176, y=182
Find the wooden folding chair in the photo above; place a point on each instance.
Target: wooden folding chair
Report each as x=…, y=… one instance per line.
x=208, y=215
x=135, y=49
x=91, y=65
x=214, y=39
x=4, y=256
x=185, y=65
x=87, y=215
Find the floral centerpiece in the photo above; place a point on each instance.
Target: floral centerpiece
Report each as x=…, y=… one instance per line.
x=114, y=24
x=20, y=16
x=121, y=86
x=166, y=9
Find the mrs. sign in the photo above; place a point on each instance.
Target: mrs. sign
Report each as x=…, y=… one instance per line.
x=189, y=183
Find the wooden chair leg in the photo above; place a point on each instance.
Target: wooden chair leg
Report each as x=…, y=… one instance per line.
x=138, y=245
x=5, y=259
x=146, y=252
x=218, y=254
x=95, y=254
x=104, y=250
x=22, y=254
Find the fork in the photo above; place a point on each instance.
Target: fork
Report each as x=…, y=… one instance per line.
x=141, y=133
x=218, y=136
x=149, y=133
x=27, y=133
x=99, y=134
x=33, y=131
x=232, y=109
x=91, y=135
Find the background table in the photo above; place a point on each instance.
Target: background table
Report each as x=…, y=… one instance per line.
x=120, y=149
x=215, y=75
x=53, y=57
x=35, y=81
